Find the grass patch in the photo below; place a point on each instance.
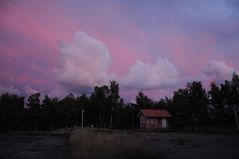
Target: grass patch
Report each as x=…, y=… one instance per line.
x=91, y=144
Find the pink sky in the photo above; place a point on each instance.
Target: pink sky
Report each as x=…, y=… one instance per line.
x=58, y=47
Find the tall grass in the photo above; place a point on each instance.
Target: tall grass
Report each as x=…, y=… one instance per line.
x=90, y=144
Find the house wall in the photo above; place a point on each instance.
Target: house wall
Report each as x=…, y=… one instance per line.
x=142, y=122
x=152, y=123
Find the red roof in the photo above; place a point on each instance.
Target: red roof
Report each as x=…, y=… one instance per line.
x=156, y=113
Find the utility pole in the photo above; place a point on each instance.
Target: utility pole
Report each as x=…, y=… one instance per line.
x=82, y=118
x=236, y=116
x=111, y=118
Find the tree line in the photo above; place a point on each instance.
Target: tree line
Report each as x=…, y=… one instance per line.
x=104, y=108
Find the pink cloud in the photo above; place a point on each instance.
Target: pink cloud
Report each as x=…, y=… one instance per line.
x=189, y=52
x=23, y=78
x=43, y=29
x=21, y=20
x=122, y=52
x=16, y=19
x=33, y=30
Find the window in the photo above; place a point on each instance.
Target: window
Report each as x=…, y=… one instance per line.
x=152, y=121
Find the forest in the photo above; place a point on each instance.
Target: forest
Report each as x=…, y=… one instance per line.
x=191, y=106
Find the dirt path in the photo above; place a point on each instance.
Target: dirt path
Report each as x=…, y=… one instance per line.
x=34, y=146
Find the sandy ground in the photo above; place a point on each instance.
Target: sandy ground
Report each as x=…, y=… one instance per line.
x=186, y=146
x=160, y=145
x=34, y=146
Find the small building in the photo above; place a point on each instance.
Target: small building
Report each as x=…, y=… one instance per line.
x=153, y=118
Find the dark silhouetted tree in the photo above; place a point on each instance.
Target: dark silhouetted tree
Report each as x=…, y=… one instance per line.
x=217, y=104
x=180, y=107
x=34, y=107
x=198, y=104
x=142, y=101
x=235, y=97
x=11, y=112
x=100, y=106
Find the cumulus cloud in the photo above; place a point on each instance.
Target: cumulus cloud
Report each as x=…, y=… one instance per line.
x=58, y=91
x=9, y=89
x=29, y=90
x=146, y=76
x=13, y=90
x=85, y=63
x=218, y=71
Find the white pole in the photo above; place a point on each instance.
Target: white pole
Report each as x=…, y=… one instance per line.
x=111, y=119
x=82, y=118
x=235, y=110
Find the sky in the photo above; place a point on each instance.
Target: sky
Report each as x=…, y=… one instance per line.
x=155, y=46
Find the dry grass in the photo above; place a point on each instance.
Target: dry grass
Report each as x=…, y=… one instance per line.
x=90, y=144
x=180, y=141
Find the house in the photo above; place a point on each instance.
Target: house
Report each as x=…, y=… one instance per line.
x=153, y=118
